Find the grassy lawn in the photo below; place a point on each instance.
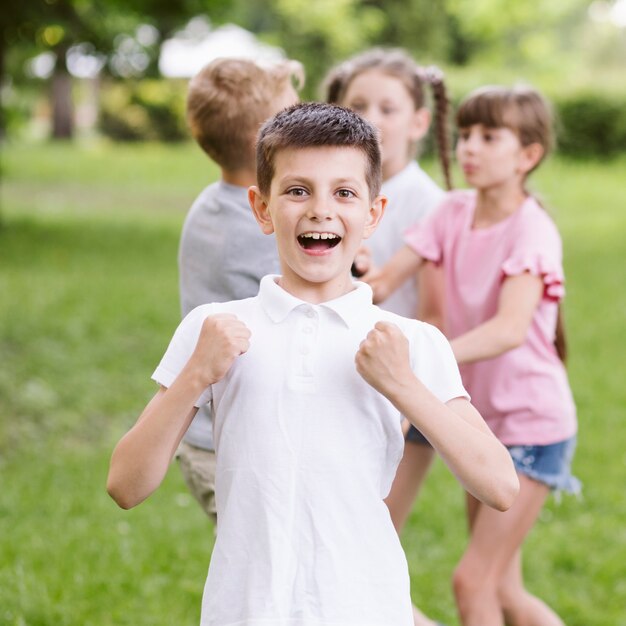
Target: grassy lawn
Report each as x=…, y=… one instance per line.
x=88, y=301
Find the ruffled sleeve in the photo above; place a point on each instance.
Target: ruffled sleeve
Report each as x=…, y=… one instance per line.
x=421, y=238
x=538, y=265
x=538, y=251
x=425, y=237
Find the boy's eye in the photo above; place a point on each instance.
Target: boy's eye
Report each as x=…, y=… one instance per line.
x=388, y=110
x=464, y=134
x=298, y=192
x=346, y=193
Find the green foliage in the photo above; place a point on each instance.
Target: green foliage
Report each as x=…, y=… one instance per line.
x=516, y=32
x=88, y=257
x=421, y=26
x=592, y=124
x=148, y=110
x=320, y=33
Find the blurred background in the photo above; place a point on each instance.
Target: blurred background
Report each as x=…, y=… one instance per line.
x=97, y=172
x=72, y=68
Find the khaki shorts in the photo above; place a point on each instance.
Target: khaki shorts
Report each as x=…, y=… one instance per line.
x=198, y=468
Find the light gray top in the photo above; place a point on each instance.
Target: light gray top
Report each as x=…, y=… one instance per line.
x=412, y=195
x=222, y=257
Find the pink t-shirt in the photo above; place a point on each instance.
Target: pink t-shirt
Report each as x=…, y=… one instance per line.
x=523, y=394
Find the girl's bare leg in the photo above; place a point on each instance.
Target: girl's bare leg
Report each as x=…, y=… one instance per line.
x=520, y=607
x=489, y=570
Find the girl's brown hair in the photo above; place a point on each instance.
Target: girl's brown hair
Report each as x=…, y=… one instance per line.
x=524, y=111
x=397, y=63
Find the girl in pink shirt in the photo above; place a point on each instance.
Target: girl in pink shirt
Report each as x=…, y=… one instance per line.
x=502, y=261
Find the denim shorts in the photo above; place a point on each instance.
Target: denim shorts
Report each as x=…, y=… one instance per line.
x=415, y=436
x=549, y=464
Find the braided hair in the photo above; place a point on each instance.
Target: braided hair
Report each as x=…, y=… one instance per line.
x=397, y=63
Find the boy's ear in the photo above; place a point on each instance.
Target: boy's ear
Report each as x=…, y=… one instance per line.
x=260, y=209
x=420, y=124
x=531, y=155
x=375, y=214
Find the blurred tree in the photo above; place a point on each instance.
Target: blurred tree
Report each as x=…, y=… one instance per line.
x=54, y=26
x=318, y=34
x=58, y=25
x=421, y=26
x=18, y=22
x=515, y=33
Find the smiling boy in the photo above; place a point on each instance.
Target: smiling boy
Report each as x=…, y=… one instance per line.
x=308, y=382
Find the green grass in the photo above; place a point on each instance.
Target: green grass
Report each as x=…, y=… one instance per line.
x=88, y=301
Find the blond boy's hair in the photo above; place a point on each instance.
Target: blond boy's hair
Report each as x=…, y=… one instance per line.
x=227, y=102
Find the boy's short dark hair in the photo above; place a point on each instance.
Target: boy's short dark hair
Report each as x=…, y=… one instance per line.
x=316, y=125
x=227, y=102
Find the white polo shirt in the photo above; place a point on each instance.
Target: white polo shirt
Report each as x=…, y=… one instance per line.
x=306, y=452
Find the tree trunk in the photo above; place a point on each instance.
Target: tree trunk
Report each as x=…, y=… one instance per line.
x=3, y=123
x=61, y=96
x=3, y=49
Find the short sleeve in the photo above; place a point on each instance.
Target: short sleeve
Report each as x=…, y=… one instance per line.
x=423, y=237
x=180, y=349
x=434, y=364
x=538, y=251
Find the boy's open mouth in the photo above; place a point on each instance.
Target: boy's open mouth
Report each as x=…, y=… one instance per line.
x=318, y=241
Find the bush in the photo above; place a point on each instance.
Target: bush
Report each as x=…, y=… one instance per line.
x=147, y=110
x=591, y=125
x=587, y=125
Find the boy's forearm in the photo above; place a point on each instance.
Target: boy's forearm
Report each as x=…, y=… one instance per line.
x=141, y=458
x=479, y=461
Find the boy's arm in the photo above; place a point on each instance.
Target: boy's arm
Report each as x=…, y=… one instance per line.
x=142, y=457
x=455, y=429
x=385, y=280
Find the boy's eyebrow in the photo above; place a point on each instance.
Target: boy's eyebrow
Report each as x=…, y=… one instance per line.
x=298, y=178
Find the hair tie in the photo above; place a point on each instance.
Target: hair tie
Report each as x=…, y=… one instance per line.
x=431, y=75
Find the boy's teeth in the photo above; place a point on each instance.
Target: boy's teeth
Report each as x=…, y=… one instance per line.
x=319, y=235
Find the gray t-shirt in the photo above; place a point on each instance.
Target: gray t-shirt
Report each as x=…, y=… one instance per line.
x=222, y=257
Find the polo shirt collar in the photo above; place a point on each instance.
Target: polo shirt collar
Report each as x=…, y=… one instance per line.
x=278, y=303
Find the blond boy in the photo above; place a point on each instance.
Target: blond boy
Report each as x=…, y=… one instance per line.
x=222, y=254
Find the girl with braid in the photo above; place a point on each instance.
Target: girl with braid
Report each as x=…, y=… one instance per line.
x=503, y=279
x=388, y=89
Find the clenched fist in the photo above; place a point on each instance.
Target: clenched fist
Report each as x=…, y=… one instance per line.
x=222, y=339
x=383, y=358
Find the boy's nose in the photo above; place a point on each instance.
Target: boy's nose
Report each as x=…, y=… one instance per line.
x=320, y=210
